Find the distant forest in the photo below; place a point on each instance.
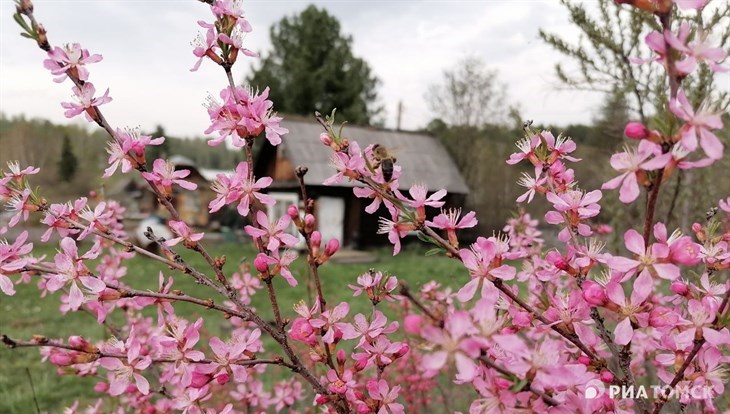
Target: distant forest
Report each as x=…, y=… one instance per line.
x=40, y=143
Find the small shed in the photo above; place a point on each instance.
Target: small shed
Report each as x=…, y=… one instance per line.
x=340, y=214
x=192, y=206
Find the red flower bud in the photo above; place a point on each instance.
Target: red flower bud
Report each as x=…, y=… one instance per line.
x=594, y=294
x=680, y=288
x=636, y=130
x=261, y=264
x=607, y=376
x=325, y=138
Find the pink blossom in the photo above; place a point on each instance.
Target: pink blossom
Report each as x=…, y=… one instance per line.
x=86, y=102
x=126, y=371
x=240, y=187
x=70, y=58
x=243, y=114
x=702, y=314
x=281, y=264
x=630, y=311
x=272, y=233
x=631, y=164
x=532, y=184
x=420, y=199
x=183, y=232
x=164, y=307
x=651, y=260
x=484, y=266
x=449, y=220
x=16, y=173
x=57, y=216
x=164, y=175
x=699, y=50
x=11, y=260
x=698, y=124
x=395, y=232
x=240, y=348
x=347, y=165
x=340, y=383
x=452, y=343
x=330, y=323
x=205, y=46
x=573, y=206
x=368, y=330
x=236, y=40
x=22, y=204
x=70, y=270
x=386, y=397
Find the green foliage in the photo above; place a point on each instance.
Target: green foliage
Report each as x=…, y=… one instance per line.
x=599, y=60
x=68, y=163
x=47, y=150
x=312, y=68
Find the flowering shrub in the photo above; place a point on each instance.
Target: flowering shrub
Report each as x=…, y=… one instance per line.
x=534, y=330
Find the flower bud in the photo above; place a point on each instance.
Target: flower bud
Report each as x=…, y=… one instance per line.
x=331, y=247
x=101, y=387
x=222, y=378
x=636, y=130
x=412, y=324
x=594, y=294
x=261, y=263
x=606, y=376
x=680, y=288
x=81, y=343
x=293, y=212
x=360, y=364
x=502, y=383
x=315, y=241
x=321, y=399
x=584, y=359
x=325, y=138
x=61, y=359
x=341, y=357
x=309, y=222
x=200, y=380
x=402, y=351
x=109, y=294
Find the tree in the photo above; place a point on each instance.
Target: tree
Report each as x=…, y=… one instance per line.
x=611, y=38
x=312, y=68
x=612, y=117
x=68, y=163
x=470, y=95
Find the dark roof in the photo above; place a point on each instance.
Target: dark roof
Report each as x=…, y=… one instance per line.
x=423, y=159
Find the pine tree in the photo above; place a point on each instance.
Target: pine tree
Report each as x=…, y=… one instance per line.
x=68, y=163
x=312, y=68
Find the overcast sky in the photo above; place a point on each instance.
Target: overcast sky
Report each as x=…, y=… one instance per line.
x=147, y=55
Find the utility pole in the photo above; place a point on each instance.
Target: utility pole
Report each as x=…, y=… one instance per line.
x=400, y=114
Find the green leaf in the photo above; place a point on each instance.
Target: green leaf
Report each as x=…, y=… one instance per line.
x=519, y=385
x=435, y=251
x=27, y=35
x=19, y=19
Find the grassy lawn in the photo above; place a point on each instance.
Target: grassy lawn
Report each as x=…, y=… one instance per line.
x=25, y=314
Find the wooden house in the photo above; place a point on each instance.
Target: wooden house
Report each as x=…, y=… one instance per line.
x=192, y=206
x=340, y=214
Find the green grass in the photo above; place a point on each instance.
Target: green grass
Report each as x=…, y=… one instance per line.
x=25, y=314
